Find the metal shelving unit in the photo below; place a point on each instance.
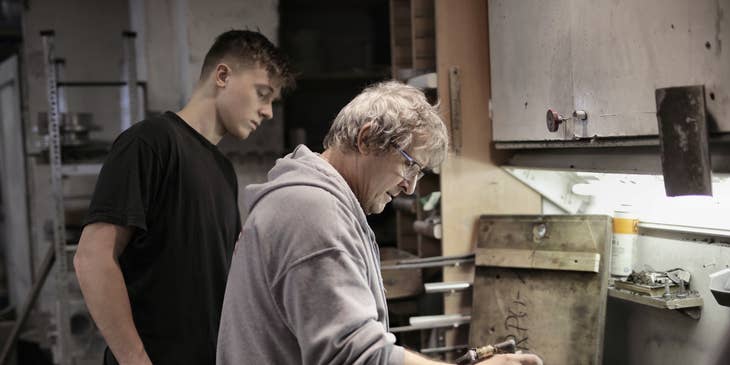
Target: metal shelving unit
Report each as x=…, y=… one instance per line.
x=68, y=331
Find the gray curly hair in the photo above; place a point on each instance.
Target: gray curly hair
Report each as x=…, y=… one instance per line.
x=401, y=116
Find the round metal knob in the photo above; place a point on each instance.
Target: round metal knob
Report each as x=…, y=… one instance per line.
x=553, y=120
x=580, y=114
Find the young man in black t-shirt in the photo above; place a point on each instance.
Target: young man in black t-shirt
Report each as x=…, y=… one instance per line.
x=157, y=243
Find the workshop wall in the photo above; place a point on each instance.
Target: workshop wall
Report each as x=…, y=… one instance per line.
x=174, y=37
x=89, y=38
x=638, y=334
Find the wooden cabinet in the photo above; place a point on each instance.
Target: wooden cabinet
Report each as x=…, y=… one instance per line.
x=606, y=58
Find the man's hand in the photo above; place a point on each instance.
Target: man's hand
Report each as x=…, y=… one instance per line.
x=512, y=359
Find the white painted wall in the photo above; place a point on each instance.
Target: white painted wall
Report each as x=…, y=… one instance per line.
x=179, y=33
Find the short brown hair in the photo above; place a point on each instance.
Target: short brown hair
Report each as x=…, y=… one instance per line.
x=249, y=48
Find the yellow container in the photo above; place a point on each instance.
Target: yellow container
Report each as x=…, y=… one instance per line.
x=623, y=245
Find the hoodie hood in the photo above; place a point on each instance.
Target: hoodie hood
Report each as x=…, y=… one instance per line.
x=304, y=167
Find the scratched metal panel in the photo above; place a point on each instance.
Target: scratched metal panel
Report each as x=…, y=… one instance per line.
x=607, y=57
x=530, y=66
x=624, y=49
x=559, y=315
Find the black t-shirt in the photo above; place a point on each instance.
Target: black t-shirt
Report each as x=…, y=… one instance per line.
x=180, y=193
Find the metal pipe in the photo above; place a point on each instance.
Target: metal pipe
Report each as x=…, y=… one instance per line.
x=438, y=350
x=437, y=258
x=435, y=323
x=446, y=287
x=427, y=265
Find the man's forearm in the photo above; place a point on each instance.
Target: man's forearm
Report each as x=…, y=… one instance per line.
x=105, y=292
x=411, y=358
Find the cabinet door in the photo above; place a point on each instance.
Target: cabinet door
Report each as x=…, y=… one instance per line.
x=530, y=55
x=624, y=50
x=612, y=56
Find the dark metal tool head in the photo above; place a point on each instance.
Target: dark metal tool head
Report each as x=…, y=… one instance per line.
x=685, y=149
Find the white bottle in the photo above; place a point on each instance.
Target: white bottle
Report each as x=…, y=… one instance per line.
x=625, y=233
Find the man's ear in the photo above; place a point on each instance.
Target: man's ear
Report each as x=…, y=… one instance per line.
x=221, y=74
x=362, y=135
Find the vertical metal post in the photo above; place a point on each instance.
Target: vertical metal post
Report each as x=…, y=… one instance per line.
x=129, y=100
x=59, y=224
x=60, y=66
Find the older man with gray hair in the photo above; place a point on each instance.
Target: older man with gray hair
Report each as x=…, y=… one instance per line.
x=305, y=285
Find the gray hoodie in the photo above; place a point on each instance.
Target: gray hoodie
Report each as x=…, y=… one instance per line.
x=305, y=285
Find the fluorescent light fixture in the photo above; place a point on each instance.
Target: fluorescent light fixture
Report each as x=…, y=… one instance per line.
x=645, y=193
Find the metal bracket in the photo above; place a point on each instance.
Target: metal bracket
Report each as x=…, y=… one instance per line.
x=455, y=108
x=435, y=261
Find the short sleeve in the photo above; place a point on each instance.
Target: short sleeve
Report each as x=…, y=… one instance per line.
x=127, y=185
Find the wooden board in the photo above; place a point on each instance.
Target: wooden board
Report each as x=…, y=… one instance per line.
x=472, y=182
x=538, y=259
x=559, y=314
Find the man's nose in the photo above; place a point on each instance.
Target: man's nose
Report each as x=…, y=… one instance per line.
x=408, y=185
x=267, y=111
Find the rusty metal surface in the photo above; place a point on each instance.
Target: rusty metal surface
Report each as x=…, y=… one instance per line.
x=558, y=314
x=685, y=151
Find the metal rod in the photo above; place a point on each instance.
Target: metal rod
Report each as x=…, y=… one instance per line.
x=436, y=258
x=29, y=303
x=427, y=265
x=446, y=287
x=432, y=324
x=437, y=261
x=438, y=350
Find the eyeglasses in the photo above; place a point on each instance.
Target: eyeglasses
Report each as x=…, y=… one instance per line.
x=413, y=168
